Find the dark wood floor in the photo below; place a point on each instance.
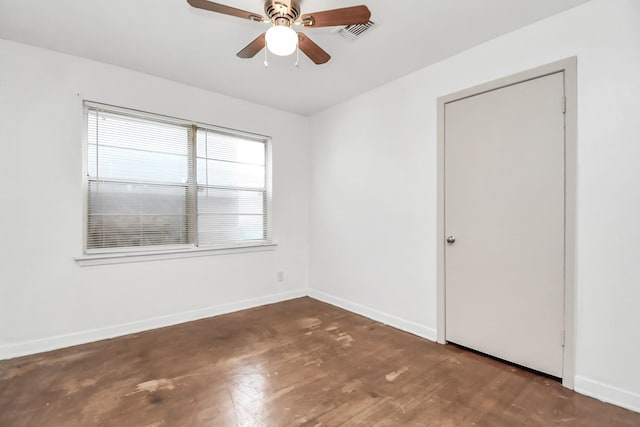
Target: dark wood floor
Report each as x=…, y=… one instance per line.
x=300, y=362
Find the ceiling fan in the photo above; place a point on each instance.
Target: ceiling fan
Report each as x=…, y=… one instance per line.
x=281, y=39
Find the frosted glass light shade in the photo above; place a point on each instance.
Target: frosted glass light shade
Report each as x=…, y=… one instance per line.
x=281, y=40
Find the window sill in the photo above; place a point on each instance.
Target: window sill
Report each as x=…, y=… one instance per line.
x=123, y=257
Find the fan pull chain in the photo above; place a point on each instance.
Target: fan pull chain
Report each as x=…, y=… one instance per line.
x=298, y=55
x=266, y=62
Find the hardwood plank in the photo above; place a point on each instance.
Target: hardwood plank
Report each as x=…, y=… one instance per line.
x=299, y=362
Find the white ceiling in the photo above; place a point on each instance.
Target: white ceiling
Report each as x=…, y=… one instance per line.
x=170, y=39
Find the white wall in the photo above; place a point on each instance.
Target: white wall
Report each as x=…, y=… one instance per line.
x=372, y=211
x=373, y=188
x=46, y=299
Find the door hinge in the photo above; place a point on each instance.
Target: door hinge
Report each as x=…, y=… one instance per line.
x=564, y=104
x=563, y=338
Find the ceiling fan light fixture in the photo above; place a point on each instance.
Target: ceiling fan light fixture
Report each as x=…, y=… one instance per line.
x=281, y=40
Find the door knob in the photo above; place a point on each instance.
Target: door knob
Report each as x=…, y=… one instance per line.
x=451, y=239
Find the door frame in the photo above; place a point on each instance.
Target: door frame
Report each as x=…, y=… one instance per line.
x=569, y=67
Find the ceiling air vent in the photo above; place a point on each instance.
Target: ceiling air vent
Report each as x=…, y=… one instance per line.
x=352, y=32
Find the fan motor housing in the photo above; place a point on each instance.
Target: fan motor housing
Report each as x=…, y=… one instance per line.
x=277, y=10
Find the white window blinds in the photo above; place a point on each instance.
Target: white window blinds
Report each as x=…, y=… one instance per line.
x=232, y=188
x=156, y=184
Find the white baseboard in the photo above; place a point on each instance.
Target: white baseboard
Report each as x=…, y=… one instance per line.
x=607, y=393
x=52, y=343
x=586, y=386
x=379, y=316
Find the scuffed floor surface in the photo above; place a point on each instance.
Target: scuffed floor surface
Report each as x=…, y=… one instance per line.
x=299, y=362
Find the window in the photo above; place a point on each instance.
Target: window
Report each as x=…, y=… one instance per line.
x=155, y=183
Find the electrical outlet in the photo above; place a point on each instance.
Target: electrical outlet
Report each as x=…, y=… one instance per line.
x=280, y=276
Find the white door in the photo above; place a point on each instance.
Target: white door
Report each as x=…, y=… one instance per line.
x=504, y=206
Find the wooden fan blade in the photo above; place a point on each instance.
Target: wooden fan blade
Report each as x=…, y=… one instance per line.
x=312, y=50
x=331, y=18
x=253, y=48
x=227, y=10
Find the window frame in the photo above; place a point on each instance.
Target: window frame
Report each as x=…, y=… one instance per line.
x=146, y=253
